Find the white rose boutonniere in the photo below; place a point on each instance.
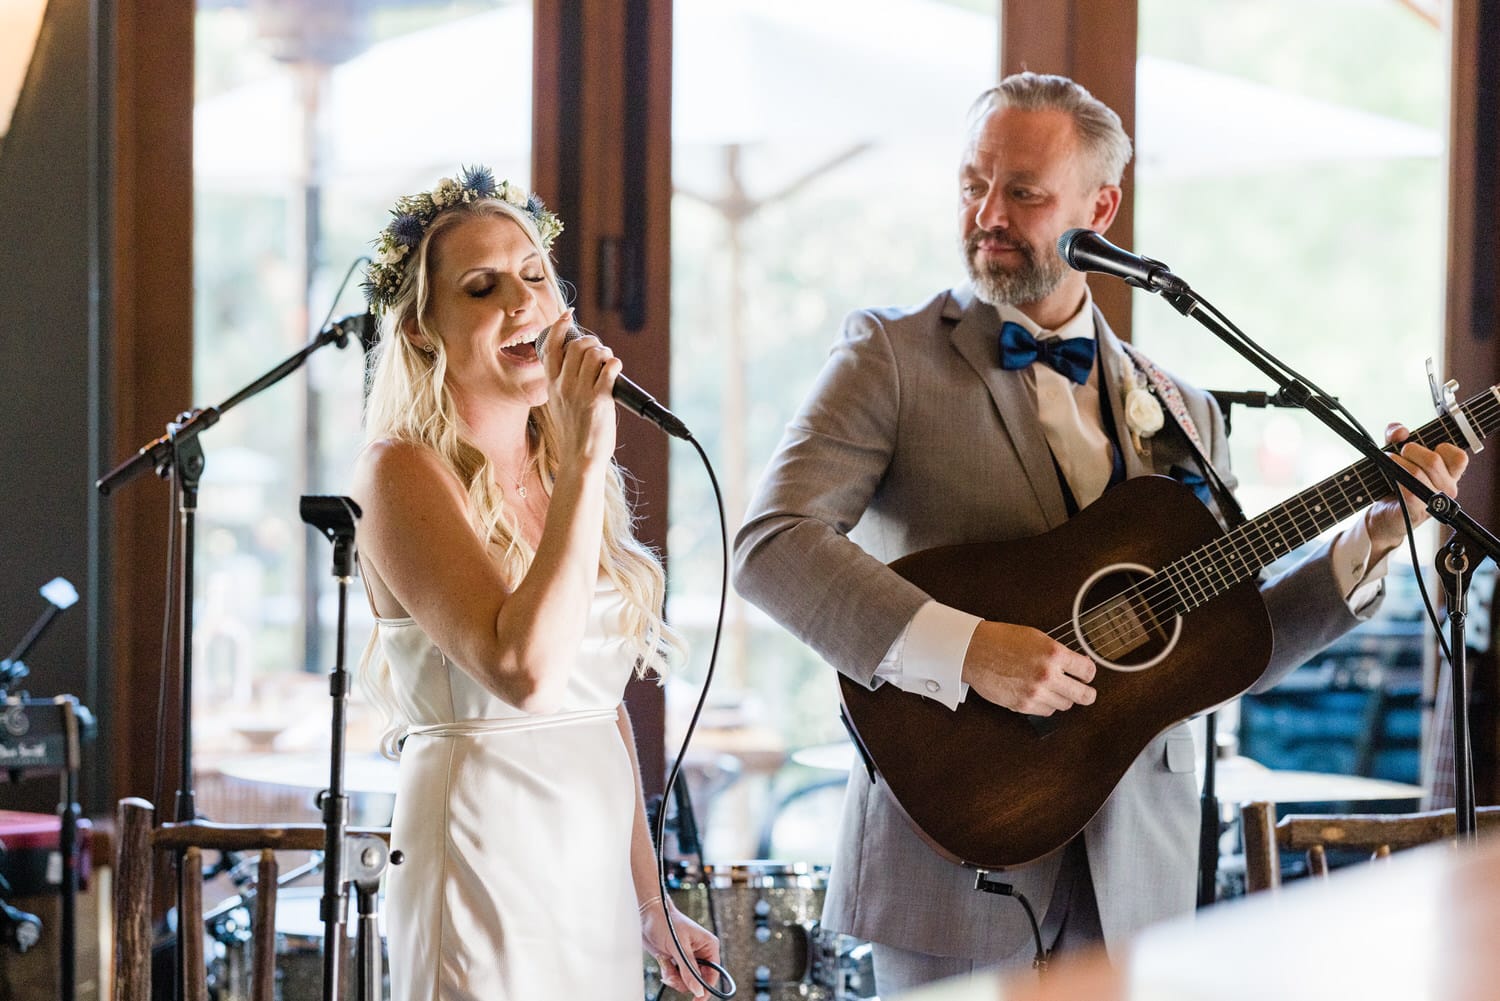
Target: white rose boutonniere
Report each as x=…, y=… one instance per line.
x=1143, y=414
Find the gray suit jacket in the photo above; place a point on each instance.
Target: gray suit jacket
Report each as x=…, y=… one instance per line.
x=914, y=437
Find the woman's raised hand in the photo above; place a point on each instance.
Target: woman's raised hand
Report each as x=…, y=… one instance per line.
x=581, y=377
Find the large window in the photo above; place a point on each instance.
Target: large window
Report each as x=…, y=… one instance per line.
x=310, y=120
x=1296, y=187
x=1290, y=167
x=815, y=151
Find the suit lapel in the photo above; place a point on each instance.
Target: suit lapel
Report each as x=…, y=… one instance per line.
x=974, y=337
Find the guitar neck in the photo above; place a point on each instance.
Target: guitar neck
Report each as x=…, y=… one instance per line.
x=1240, y=554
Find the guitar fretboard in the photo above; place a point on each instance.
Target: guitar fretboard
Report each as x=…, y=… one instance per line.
x=1124, y=621
x=1239, y=555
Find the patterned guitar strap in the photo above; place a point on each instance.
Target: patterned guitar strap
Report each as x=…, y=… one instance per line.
x=1166, y=391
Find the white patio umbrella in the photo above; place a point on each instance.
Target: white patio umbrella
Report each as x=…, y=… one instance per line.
x=1193, y=122
x=414, y=106
x=828, y=73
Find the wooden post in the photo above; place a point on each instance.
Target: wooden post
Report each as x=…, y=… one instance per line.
x=1472, y=343
x=132, y=901
x=602, y=158
x=1094, y=43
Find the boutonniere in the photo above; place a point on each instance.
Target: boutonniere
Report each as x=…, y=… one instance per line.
x=1143, y=415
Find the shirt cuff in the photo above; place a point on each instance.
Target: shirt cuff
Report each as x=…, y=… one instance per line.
x=1359, y=583
x=928, y=657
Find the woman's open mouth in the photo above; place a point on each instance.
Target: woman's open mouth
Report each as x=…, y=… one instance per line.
x=521, y=352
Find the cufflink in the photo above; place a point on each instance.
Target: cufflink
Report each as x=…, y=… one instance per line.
x=933, y=686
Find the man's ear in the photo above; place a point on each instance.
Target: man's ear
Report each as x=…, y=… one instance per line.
x=1106, y=207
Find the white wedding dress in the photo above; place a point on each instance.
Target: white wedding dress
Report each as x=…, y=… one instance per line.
x=515, y=830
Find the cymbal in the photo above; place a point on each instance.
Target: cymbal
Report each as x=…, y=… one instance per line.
x=363, y=773
x=1238, y=779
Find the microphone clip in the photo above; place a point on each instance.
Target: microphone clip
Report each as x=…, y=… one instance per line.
x=1158, y=279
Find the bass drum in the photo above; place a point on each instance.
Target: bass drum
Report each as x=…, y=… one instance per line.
x=766, y=915
x=299, y=950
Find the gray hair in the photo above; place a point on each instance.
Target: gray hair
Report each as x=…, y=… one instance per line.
x=1099, y=129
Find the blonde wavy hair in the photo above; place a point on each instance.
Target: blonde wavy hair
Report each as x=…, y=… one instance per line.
x=410, y=401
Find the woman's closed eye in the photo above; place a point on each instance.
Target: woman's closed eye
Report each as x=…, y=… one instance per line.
x=479, y=291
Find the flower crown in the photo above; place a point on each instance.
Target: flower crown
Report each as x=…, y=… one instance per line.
x=414, y=213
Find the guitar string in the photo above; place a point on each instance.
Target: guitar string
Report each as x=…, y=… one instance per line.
x=1196, y=566
x=1198, y=563
x=1481, y=407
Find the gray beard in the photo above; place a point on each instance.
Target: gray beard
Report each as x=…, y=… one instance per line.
x=999, y=286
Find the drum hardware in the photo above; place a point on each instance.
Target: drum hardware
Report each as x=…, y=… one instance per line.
x=843, y=964
x=299, y=948
x=770, y=933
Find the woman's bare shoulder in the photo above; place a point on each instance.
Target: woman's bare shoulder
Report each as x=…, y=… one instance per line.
x=385, y=463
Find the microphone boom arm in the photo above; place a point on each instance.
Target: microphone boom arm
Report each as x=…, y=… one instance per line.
x=157, y=454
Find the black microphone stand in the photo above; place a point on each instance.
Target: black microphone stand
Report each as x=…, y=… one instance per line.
x=1442, y=508
x=1210, y=817
x=178, y=454
x=1454, y=569
x=357, y=860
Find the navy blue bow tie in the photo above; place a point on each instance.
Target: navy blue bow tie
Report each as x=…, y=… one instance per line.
x=1073, y=358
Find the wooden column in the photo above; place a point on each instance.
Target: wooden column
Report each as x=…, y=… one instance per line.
x=602, y=141
x=1094, y=43
x=1473, y=309
x=150, y=318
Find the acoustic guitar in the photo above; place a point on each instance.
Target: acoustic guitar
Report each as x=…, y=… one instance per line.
x=1147, y=584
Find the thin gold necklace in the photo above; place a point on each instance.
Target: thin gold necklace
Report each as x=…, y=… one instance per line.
x=520, y=481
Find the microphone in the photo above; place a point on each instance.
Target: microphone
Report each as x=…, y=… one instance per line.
x=1085, y=250
x=627, y=394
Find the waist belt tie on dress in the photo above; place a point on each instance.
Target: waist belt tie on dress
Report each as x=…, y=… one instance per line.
x=479, y=727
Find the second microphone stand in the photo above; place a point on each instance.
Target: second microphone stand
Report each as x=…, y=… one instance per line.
x=178, y=455
x=1442, y=508
x=355, y=861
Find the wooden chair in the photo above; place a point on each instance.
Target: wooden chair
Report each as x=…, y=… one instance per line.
x=139, y=840
x=1315, y=833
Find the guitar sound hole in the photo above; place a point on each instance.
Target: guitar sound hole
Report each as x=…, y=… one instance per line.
x=1115, y=623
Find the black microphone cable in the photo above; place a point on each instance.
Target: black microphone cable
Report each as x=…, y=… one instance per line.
x=674, y=774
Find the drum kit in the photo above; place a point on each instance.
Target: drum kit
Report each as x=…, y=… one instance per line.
x=766, y=915
x=370, y=781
